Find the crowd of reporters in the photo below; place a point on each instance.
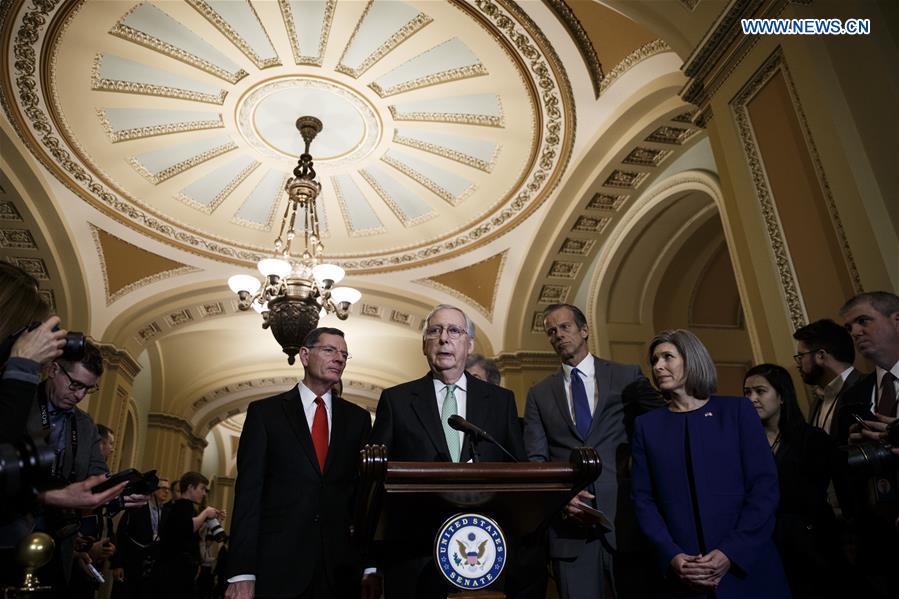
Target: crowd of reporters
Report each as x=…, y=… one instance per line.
x=54, y=473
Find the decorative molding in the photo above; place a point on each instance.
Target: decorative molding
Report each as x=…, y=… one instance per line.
x=486, y=166
x=146, y=89
x=446, y=195
x=689, y=4
x=178, y=424
x=347, y=220
x=258, y=384
x=49, y=297
x=8, y=211
x=398, y=37
x=486, y=311
x=607, y=201
x=484, y=120
x=631, y=60
x=147, y=332
x=33, y=266
x=789, y=281
x=677, y=136
x=299, y=58
x=591, y=224
x=19, y=239
x=155, y=278
x=577, y=247
x=722, y=49
x=646, y=156
x=564, y=270
x=554, y=294
x=394, y=207
x=157, y=45
x=581, y=40
x=119, y=360
x=455, y=74
x=625, y=179
x=224, y=193
x=370, y=310
x=225, y=29
x=154, y=130
x=168, y=173
x=789, y=285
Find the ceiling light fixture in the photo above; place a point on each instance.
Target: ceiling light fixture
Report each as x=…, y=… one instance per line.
x=296, y=290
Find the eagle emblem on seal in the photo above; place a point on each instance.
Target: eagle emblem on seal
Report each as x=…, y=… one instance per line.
x=472, y=556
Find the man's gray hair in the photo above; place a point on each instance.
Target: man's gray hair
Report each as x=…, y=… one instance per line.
x=469, y=325
x=883, y=301
x=699, y=369
x=489, y=366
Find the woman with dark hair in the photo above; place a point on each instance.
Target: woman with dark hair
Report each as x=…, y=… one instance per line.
x=704, y=483
x=22, y=352
x=806, y=531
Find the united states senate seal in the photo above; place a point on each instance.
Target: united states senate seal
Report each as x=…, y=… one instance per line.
x=470, y=550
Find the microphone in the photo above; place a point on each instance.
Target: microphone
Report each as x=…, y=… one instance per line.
x=477, y=433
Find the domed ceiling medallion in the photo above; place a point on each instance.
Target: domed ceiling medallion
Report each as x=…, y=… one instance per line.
x=445, y=123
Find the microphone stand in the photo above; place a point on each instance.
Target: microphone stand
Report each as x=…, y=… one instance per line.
x=473, y=448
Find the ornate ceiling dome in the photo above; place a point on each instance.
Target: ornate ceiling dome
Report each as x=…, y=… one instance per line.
x=445, y=123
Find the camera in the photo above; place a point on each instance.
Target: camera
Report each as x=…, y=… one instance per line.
x=72, y=351
x=873, y=457
x=146, y=484
x=25, y=467
x=214, y=531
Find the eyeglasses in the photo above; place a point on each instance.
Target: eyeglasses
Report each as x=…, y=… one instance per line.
x=77, y=386
x=798, y=357
x=452, y=331
x=330, y=351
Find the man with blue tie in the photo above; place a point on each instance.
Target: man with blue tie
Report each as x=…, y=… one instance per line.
x=411, y=422
x=590, y=402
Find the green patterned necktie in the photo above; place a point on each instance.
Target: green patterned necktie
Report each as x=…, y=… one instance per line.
x=452, y=435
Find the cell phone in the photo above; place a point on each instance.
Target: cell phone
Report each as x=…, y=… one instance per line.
x=125, y=476
x=90, y=526
x=862, y=422
x=95, y=574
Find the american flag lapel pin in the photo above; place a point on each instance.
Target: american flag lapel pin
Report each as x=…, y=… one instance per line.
x=707, y=414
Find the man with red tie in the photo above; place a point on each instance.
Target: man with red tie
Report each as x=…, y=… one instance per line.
x=297, y=469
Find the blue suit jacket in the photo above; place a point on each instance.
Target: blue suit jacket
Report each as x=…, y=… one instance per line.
x=736, y=491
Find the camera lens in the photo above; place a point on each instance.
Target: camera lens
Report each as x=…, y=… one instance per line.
x=24, y=466
x=871, y=458
x=73, y=350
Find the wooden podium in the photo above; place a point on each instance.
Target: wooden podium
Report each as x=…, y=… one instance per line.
x=520, y=497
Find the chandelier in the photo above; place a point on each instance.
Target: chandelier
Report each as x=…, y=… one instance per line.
x=296, y=289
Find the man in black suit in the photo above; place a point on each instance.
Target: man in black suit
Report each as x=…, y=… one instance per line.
x=872, y=320
x=137, y=537
x=590, y=402
x=410, y=421
x=824, y=357
x=297, y=467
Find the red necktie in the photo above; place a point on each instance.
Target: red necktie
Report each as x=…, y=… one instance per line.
x=887, y=403
x=320, y=432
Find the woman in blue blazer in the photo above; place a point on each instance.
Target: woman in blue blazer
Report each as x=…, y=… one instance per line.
x=704, y=481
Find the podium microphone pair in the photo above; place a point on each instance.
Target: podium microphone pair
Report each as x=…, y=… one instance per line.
x=476, y=432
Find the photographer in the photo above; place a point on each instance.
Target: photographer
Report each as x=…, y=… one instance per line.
x=138, y=538
x=179, y=551
x=872, y=320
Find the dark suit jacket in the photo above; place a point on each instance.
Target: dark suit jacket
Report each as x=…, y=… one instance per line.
x=839, y=403
x=550, y=435
x=87, y=461
x=290, y=519
x=408, y=423
x=733, y=489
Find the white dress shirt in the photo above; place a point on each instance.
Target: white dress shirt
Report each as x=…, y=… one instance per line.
x=587, y=368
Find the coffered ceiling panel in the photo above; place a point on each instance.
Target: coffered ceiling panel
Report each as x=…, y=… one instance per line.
x=176, y=117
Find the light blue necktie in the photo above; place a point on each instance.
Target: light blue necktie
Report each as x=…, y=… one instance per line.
x=582, y=416
x=452, y=435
